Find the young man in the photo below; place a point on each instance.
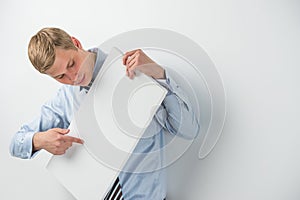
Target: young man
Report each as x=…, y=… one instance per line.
x=54, y=52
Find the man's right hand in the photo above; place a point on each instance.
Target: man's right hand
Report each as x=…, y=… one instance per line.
x=54, y=141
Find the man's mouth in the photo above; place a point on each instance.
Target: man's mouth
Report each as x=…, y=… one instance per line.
x=80, y=80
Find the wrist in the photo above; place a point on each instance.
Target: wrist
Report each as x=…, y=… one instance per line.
x=160, y=74
x=36, y=141
x=163, y=74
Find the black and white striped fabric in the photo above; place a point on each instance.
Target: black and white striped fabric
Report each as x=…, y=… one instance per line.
x=115, y=192
x=87, y=88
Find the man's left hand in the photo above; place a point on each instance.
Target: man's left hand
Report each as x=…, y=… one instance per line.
x=138, y=60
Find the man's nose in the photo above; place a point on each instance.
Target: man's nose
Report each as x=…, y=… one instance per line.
x=72, y=76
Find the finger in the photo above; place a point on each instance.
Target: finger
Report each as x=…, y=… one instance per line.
x=128, y=54
x=125, y=58
x=70, y=144
x=131, y=72
x=61, y=130
x=73, y=139
x=132, y=75
x=60, y=152
x=131, y=57
x=131, y=62
x=132, y=66
x=67, y=144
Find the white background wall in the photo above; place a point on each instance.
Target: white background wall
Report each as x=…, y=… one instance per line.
x=256, y=47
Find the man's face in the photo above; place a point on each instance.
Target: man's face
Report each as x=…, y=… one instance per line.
x=72, y=67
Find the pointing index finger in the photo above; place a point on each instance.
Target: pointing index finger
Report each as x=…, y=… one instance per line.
x=73, y=139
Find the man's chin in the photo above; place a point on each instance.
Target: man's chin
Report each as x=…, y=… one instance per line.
x=84, y=83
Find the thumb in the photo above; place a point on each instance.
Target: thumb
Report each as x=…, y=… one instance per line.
x=62, y=131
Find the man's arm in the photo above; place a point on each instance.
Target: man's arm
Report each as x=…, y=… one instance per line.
x=177, y=115
x=48, y=131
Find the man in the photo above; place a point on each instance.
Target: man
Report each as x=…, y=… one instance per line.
x=54, y=52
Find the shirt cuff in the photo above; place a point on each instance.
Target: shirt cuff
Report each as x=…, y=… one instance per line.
x=168, y=83
x=22, y=145
x=28, y=144
x=164, y=83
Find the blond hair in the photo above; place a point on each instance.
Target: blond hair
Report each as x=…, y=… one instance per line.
x=41, y=47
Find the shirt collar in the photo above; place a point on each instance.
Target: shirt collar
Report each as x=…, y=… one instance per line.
x=98, y=64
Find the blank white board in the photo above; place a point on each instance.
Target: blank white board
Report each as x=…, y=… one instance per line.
x=111, y=119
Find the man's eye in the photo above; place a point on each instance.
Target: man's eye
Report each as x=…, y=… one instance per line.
x=71, y=65
x=60, y=77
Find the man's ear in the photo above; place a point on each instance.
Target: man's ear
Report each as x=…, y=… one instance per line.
x=76, y=42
